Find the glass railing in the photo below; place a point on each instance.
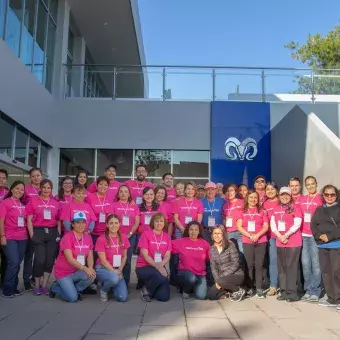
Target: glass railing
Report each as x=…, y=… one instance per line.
x=198, y=83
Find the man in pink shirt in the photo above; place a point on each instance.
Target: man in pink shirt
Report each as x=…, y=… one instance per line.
x=168, y=182
x=295, y=187
x=260, y=187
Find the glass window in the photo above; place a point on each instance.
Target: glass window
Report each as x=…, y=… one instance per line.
x=27, y=33
x=54, y=9
x=6, y=136
x=13, y=28
x=158, y=161
x=33, y=152
x=20, y=145
x=191, y=164
x=50, y=53
x=72, y=160
x=3, y=6
x=43, y=158
x=121, y=158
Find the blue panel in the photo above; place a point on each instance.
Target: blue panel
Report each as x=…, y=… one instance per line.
x=240, y=141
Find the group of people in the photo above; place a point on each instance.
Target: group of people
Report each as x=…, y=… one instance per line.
x=214, y=242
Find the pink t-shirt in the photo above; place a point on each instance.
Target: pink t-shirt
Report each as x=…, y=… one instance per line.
x=253, y=219
x=45, y=212
x=101, y=208
x=111, y=191
x=10, y=210
x=3, y=193
x=127, y=213
x=232, y=210
x=269, y=206
x=187, y=210
x=279, y=213
x=113, y=249
x=297, y=198
x=193, y=255
x=136, y=189
x=153, y=243
x=308, y=205
x=262, y=195
x=145, y=217
x=69, y=209
x=168, y=211
x=83, y=246
x=67, y=199
x=171, y=194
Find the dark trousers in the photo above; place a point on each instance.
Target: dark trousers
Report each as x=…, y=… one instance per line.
x=156, y=284
x=254, y=255
x=229, y=283
x=28, y=262
x=288, y=261
x=330, y=270
x=3, y=265
x=14, y=251
x=127, y=267
x=45, y=249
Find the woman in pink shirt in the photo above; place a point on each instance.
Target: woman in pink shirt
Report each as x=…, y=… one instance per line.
x=180, y=190
x=112, y=253
x=252, y=223
x=155, y=249
x=129, y=215
x=285, y=223
x=165, y=206
x=269, y=204
x=44, y=231
x=33, y=189
x=13, y=234
x=242, y=191
x=187, y=209
x=73, y=268
x=193, y=254
x=65, y=191
x=81, y=179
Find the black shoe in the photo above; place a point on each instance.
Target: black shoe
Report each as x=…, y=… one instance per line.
x=28, y=286
x=292, y=299
x=89, y=291
x=17, y=293
x=281, y=298
x=139, y=285
x=79, y=298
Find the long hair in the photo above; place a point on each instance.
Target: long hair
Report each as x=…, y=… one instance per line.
x=61, y=192
x=246, y=200
x=76, y=180
x=225, y=239
x=125, y=186
x=107, y=230
x=159, y=187
x=200, y=228
x=9, y=194
x=154, y=205
x=46, y=181
x=274, y=185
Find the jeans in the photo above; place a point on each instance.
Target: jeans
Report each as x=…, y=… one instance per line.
x=70, y=286
x=236, y=237
x=111, y=280
x=14, y=252
x=273, y=271
x=179, y=233
x=156, y=284
x=189, y=281
x=127, y=267
x=311, y=266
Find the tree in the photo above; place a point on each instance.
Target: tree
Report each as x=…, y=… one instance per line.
x=322, y=55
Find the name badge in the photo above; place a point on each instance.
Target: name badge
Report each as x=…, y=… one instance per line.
x=187, y=219
x=229, y=222
x=139, y=200
x=102, y=217
x=21, y=221
x=307, y=217
x=47, y=214
x=282, y=225
x=157, y=257
x=117, y=261
x=147, y=219
x=126, y=221
x=211, y=221
x=81, y=259
x=251, y=226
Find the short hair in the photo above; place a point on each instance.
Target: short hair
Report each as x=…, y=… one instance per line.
x=127, y=187
x=297, y=179
x=259, y=176
x=140, y=166
x=4, y=171
x=46, y=181
x=77, y=187
x=330, y=186
x=273, y=184
x=190, y=183
x=167, y=174
x=307, y=178
x=111, y=166
x=156, y=217
x=102, y=179
x=227, y=186
x=200, y=228
x=159, y=187
x=225, y=239
x=34, y=169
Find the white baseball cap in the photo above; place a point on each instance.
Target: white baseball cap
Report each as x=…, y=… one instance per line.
x=78, y=216
x=285, y=190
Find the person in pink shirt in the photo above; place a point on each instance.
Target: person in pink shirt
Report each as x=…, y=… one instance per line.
x=242, y=191
x=112, y=254
x=13, y=236
x=137, y=185
x=81, y=179
x=187, y=209
x=253, y=224
x=310, y=254
x=44, y=230
x=155, y=250
x=295, y=187
x=77, y=204
x=65, y=191
x=180, y=190
x=73, y=268
x=168, y=182
x=285, y=223
x=193, y=255
x=129, y=215
x=259, y=185
x=110, y=173
x=3, y=184
x=165, y=206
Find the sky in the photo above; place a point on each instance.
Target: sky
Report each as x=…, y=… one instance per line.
x=228, y=33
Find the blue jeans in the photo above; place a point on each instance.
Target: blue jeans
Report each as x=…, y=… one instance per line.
x=14, y=251
x=111, y=280
x=311, y=266
x=236, y=237
x=189, y=281
x=273, y=271
x=70, y=286
x=178, y=234
x=127, y=267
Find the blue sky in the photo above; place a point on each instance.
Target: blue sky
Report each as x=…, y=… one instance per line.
x=226, y=32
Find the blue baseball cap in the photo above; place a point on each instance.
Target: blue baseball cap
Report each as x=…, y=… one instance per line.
x=78, y=216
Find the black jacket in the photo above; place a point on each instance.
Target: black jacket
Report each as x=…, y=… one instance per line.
x=326, y=221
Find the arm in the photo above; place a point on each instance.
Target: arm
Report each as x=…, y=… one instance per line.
x=199, y=218
x=59, y=228
x=261, y=232
x=135, y=226
x=273, y=227
x=148, y=258
x=166, y=258
x=91, y=227
x=213, y=265
x=296, y=226
x=240, y=228
x=90, y=260
x=30, y=225
x=178, y=222
x=104, y=261
x=170, y=229
x=314, y=226
x=67, y=225
x=73, y=262
x=2, y=231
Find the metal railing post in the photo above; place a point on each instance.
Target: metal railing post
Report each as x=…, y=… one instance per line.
x=313, y=88
x=263, y=86
x=164, y=84
x=114, y=82
x=213, y=84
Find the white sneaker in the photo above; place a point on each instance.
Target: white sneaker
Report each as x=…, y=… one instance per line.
x=185, y=296
x=103, y=296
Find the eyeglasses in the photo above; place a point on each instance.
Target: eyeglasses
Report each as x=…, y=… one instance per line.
x=329, y=195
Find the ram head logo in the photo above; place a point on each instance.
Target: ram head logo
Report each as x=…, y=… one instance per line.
x=235, y=150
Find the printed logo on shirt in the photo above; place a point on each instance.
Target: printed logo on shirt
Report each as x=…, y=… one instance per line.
x=46, y=206
x=212, y=210
x=158, y=243
x=101, y=205
x=82, y=210
x=189, y=207
x=192, y=248
x=84, y=246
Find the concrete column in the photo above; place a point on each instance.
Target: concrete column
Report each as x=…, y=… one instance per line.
x=60, y=54
x=53, y=159
x=78, y=71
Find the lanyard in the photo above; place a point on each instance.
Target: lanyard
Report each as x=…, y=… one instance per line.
x=125, y=209
x=160, y=242
x=46, y=205
x=282, y=213
x=139, y=189
x=18, y=206
x=211, y=208
x=296, y=198
x=100, y=203
x=310, y=203
x=189, y=208
x=116, y=246
x=232, y=207
x=251, y=215
x=35, y=190
x=82, y=242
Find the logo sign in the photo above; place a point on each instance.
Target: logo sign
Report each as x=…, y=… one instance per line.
x=235, y=150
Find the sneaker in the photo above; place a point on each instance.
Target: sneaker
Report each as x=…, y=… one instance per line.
x=185, y=296
x=44, y=291
x=338, y=307
x=17, y=293
x=324, y=298
x=314, y=298
x=292, y=299
x=281, y=297
x=306, y=297
x=238, y=296
x=272, y=291
x=260, y=294
x=103, y=296
x=145, y=297
x=326, y=303
x=250, y=292
x=7, y=296
x=28, y=287
x=36, y=291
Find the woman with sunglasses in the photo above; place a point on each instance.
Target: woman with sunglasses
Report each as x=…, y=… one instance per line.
x=285, y=224
x=259, y=185
x=325, y=227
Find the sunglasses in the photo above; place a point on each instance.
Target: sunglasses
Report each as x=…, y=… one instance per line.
x=329, y=195
x=260, y=181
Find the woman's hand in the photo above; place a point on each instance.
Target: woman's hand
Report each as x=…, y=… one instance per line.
x=217, y=286
x=163, y=271
x=255, y=238
x=90, y=272
x=3, y=240
x=283, y=239
x=324, y=238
